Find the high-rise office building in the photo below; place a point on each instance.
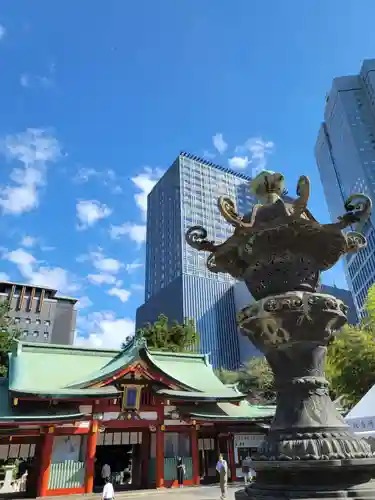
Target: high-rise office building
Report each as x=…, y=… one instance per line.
x=38, y=314
x=178, y=283
x=345, y=154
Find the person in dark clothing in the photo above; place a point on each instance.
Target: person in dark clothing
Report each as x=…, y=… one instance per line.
x=180, y=472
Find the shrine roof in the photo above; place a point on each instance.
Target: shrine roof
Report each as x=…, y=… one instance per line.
x=9, y=414
x=194, y=372
x=55, y=370
x=44, y=368
x=229, y=411
x=199, y=396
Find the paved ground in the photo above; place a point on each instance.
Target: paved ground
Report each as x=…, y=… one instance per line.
x=187, y=493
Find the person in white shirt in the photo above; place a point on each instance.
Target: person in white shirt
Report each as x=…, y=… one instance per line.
x=106, y=472
x=222, y=468
x=108, y=491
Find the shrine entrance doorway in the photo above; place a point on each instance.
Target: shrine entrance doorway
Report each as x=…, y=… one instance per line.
x=122, y=452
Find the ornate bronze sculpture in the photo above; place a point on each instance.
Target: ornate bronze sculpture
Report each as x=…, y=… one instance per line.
x=279, y=250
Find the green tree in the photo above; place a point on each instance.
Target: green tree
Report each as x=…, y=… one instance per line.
x=165, y=336
x=254, y=378
x=7, y=334
x=350, y=365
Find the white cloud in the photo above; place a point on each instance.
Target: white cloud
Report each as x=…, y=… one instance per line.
x=4, y=277
x=28, y=241
x=105, y=264
x=85, y=174
x=136, y=232
x=106, y=268
x=220, y=145
x=145, y=182
x=3, y=31
x=133, y=266
x=36, y=274
x=34, y=149
x=121, y=293
x=89, y=212
x=258, y=150
x=25, y=80
x=83, y=303
x=137, y=287
x=28, y=80
x=102, y=279
x=208, y=155
x=56, y=277
x=238, y=162
x=103, y=329
x=22, y=259
x=106, y=178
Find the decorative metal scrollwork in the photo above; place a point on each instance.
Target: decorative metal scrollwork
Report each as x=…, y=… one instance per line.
x=355, y=241
x=227, y=209
x=211, y=263
x=196, y=238
x=358, y=208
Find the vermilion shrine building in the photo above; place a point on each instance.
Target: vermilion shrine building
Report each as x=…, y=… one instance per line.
x=68, y=410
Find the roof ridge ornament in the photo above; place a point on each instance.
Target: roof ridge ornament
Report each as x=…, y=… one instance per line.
x=139, y=340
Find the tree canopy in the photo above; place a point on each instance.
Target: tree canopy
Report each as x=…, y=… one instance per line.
x=7, y=334
x=163, y=335
x=350, y=363
x=254, y=378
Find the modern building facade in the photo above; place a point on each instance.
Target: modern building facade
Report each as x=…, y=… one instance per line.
x=243, y=298
x=178, y=283
x=39, y=314
x=345, y=155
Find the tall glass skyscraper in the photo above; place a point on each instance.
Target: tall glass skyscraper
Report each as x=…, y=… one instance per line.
x=345, y=154
x=178, y=283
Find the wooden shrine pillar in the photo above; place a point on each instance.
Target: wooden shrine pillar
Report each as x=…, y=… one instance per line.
x=195, y=455
x=45, y=462
x=90, y=457
x=159, y=457
x=232, y=462
x=145, y=456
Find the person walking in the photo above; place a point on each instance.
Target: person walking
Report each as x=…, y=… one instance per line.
x=108, y=491
x=180, y=472
x=106, y=472
x=247, y=470
x=222, y=468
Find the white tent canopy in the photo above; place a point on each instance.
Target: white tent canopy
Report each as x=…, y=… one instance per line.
x=361, y=417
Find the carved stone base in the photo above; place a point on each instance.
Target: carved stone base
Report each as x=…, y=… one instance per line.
x=315, y=444
x=310, y=492
x=309, y=480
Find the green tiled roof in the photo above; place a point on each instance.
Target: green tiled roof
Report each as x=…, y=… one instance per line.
x=11, y=414
x=63, y=372
x=192, y=371
x=54, y=370
x=40, y=368
x=229, y=411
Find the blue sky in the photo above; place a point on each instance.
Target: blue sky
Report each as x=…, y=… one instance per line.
x=97, y=98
